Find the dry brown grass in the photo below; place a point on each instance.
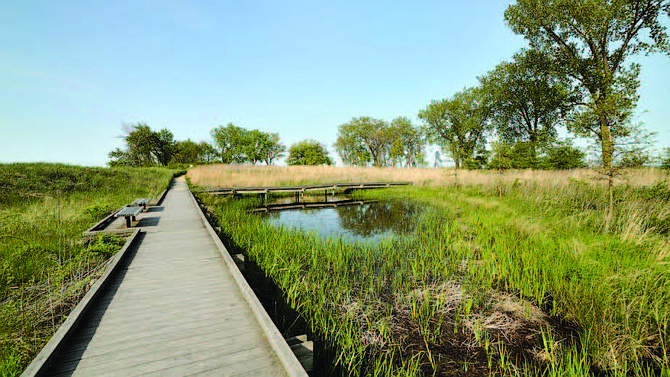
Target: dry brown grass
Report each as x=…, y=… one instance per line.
x=266, y=176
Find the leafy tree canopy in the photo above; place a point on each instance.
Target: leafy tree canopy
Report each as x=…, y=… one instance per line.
x=528, y=98
x=238, y=145
x=308, y=152
x=362, y=140
x=591, y=41
x=458, y=123
x=144, y=147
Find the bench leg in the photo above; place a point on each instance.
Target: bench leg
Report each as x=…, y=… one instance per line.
x=128, y=225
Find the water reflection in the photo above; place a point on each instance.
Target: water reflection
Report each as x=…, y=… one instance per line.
x=369, y=222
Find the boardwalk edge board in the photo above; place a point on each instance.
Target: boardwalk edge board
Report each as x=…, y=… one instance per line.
x=274, y=337
x=102, y=223
x=41, y=363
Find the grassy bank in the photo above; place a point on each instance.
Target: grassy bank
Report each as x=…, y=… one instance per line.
x=46, y=266
x=508, y=275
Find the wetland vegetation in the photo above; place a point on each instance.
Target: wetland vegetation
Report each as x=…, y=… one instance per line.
x=510, y=274
x=46, y=266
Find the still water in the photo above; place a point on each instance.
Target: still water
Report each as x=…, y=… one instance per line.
x=368, y=223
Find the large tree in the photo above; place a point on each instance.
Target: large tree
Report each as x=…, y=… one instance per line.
x=363, y=139
x=207, y=152
x=528, y=98
x=232, y=141
x=186, y=152
x=593, y=41
x=265, y=146
x=407, y=142
x=308, y=152
x=458, y=123
x=240, y=145
x=144, y=147
x=164, y=148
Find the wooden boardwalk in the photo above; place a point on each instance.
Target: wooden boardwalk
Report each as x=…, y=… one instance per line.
x=174, y=309
x=303, y=189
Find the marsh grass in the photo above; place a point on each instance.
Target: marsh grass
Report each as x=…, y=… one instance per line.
x=45, y=264
x=508, y=274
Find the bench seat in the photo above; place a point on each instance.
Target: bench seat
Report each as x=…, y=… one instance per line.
x=129, y=213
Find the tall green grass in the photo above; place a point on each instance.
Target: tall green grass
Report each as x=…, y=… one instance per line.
x=45, y=264
x=505, y=278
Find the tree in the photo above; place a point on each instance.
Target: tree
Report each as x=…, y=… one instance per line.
x=407, y=142
x=480, y=160
x=308, y=152
x=207, y=152
x=232, y=141
x=363, y=139
x=503, y=156
x=268, y=147
x=164, y=147
x=591, y=41
x=144, y=147
x=119, y=157
x=141, y=143
x=562, y=156
x=528, y=98
x=186, y=152
x=458, y=123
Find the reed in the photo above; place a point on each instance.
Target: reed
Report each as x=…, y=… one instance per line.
x=508, y=274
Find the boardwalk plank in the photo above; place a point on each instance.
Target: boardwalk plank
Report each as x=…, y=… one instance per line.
x=173, y=310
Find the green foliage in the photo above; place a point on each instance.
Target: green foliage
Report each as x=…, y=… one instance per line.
x=562, y=156
x=634, y=160
x=44, y=262
x=308, y=152
x=238, y=145
x=99, y=211
x=503, y=156
x=459, y=123
x=591, y=42
x=520, y=155
x=407, y=143
x=540, y=243
x=231, y=142
x=528, y=98
x=479, y=161
x=186, y=152
x=665, y=160
x=364, y=140
x=106, y=245
x=144, y=147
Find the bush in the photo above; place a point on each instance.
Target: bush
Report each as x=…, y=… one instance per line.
x=562, y=156
x=665, y=161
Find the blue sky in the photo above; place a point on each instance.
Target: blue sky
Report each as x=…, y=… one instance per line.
x=73, y=72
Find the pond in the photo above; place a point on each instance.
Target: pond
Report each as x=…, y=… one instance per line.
x=369, y=222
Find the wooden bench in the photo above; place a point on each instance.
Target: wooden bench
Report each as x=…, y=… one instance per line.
x=141, y=202
x=129, y=213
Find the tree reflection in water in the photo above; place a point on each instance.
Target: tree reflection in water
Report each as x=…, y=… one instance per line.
x=369, y=222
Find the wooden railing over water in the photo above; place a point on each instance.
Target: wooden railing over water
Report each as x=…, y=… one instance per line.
x=301, y=190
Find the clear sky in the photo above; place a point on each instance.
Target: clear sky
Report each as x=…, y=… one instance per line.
x=73, y=72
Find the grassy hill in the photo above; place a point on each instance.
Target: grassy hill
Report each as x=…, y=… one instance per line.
x=45, y=264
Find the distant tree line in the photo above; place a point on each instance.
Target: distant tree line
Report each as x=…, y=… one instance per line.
x=232, y=144
x=577, y=74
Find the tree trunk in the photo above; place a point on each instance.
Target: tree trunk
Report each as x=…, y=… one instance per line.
x=607, y=155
